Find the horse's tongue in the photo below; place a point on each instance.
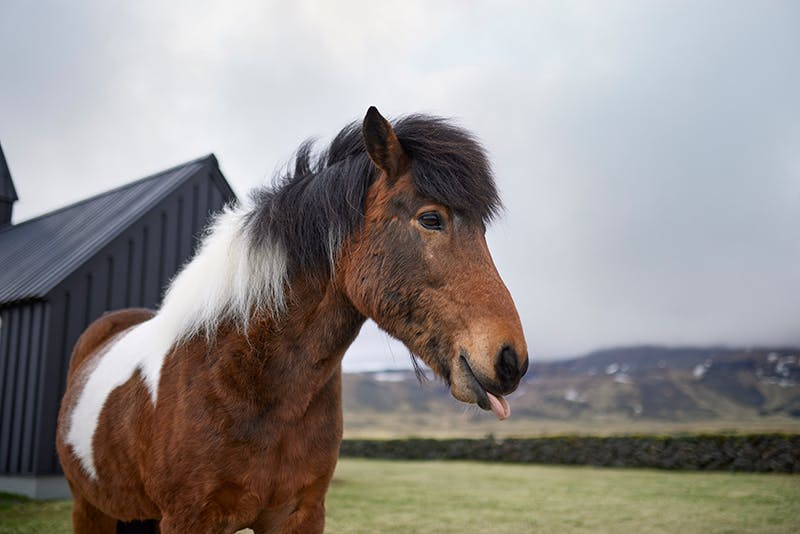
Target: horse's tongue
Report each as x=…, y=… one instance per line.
x=499, y=406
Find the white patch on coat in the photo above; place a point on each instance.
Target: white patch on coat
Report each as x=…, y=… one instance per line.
x=141, y=347
x=225, y=280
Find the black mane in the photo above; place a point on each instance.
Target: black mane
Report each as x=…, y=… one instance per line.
x=312, y=209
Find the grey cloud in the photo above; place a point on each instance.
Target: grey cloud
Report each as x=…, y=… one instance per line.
x=647, y=153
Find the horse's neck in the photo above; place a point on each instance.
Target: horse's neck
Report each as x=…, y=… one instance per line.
x=288, y=360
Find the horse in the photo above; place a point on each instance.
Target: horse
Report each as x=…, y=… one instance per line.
x=222, y=410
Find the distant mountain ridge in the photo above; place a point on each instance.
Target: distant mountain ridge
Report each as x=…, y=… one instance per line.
x=644, y=357
x=628, y=384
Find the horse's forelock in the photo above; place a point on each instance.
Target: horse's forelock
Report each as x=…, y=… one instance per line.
x=312, y=209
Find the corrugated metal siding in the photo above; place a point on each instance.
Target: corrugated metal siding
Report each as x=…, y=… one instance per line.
x=22, y=349
x=131, y=271
x=38, y=254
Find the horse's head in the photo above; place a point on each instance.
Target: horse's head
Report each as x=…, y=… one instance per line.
x=421, y=269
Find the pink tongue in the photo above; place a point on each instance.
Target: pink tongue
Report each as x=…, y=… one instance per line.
x=499, y=406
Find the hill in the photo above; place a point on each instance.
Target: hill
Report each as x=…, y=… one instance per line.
x=623, y=390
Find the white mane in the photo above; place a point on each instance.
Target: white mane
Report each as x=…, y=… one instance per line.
x=226, y=279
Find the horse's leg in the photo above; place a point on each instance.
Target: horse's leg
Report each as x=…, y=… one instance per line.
x=309, y=517
x=306, y=518
x=149, y=526
x=86, y=519
x=197, y=524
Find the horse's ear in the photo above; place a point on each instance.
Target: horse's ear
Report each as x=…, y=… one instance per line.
x=383, y=147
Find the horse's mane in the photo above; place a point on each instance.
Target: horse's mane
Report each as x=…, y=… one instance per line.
x=320, y=203
x=299, y=224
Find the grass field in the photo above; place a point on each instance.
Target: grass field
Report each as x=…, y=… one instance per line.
x=449, y=497
x=473, y=423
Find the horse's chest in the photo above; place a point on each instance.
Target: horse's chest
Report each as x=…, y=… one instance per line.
x=303, y=455
x=278, y=462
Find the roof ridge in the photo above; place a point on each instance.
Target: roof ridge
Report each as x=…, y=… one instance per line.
x=210, y=158
x=7, y=189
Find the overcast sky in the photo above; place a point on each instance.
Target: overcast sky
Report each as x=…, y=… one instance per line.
x=648, y=153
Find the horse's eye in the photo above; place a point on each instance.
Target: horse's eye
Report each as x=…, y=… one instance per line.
x=431, y=220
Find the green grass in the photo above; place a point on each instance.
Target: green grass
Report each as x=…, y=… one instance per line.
x=19, y=514
x=399, y=496
x=385, y=496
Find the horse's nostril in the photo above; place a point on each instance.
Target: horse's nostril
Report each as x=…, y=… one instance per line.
x=507, y=366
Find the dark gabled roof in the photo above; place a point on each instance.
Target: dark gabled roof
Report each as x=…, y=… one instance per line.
x=36, y=255
x=7, y=191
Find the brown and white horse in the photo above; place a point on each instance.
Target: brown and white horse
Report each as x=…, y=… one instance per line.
x=222, y=410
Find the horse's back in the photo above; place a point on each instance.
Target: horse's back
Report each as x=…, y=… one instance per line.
x=101, y=330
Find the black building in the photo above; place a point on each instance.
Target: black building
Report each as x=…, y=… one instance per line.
x=62, y=270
